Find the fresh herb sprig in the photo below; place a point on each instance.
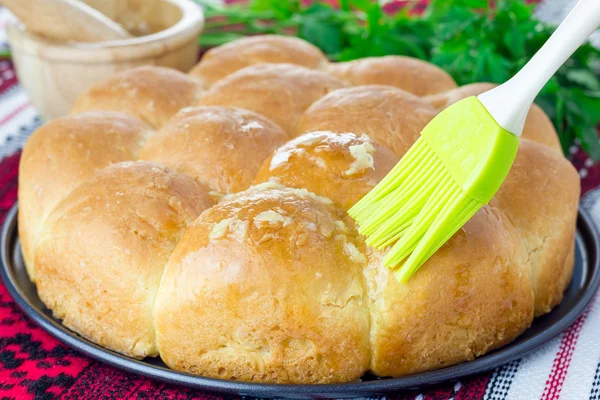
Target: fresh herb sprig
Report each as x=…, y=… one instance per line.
x=467, y=38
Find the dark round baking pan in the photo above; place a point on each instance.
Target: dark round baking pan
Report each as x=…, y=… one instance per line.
x=585, y=282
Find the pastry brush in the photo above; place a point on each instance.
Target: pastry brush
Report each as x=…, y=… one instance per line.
x=461, y=158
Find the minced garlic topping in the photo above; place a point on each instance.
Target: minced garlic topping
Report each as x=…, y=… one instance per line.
x=236, y=228
x=363, y=157
x=216, y=196
x=354, y=254
x=272, y=218
x=219, y=229
x=341, y=226
x=305, y=194
x=269, y=185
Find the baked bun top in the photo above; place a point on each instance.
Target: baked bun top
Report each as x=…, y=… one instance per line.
x=540, y=196
x=280, y=92
x=413, y=75
x=224, y=60
x=275, y=276
x=104, y=248
x=340, y=166
x=387, y=115
x=221, y=147
x=474, y=294
x=538, y=126
x=152, y=94
x=62, y=154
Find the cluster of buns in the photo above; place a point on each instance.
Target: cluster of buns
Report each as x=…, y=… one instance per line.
x=202, y=217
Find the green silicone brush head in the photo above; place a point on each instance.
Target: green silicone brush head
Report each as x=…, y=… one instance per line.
x=454, y=168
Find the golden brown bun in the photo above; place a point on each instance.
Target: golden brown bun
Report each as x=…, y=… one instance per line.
x=222, y=147
x=340, y=166
x=538, y=127
x=388, y=115
x=224, y=60
x=411, y=74
x=540, y=196
x=280, y=92
x=266, y=286
x=60, y=155
x=152, y=94
x=472, y=296
x=103, y=250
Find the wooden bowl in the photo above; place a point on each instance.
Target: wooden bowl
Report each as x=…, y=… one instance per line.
x=54, y=74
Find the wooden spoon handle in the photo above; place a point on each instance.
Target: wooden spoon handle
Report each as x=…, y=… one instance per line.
x=66, y=20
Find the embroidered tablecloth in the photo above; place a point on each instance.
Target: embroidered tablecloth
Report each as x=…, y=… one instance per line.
x=35, y=365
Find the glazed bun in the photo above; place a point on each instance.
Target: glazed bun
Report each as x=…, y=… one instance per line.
x=540, y=196
x=152, y=94
x=538, y=126
x=410, y=74
x=62, y=154
x=387, y=115
x=103, y=250
x=224, y=60
x=340, y=166
x=280, y=92
x=275, y=277
x=472, y=296
x=222, y=147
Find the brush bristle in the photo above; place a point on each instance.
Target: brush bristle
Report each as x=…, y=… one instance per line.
x=418, y=205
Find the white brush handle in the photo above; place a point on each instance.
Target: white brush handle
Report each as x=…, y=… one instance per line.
x=509, y=103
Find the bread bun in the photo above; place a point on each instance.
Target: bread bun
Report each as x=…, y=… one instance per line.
x=411, y=74
x=472, y=296
x=538, y=126
x=281, y=92
x=152, y=94
x=540, y=196
x=340, y=166
x=275, y=277
x=102, y=253
x=63, y=153
x=221, y=61
x=222, y=147
x=388, y=115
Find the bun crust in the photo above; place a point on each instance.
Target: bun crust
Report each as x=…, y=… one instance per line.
x=222, y=147
x=538, y=126
x=543, y=210
x=276, y=278
x=280, y=92
x=152, y=94
x=472, y=296
x=102, y=253
x=410, y=74
x=340, y=166
x=62, y=154
x=387, y=115
x=224, y=60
